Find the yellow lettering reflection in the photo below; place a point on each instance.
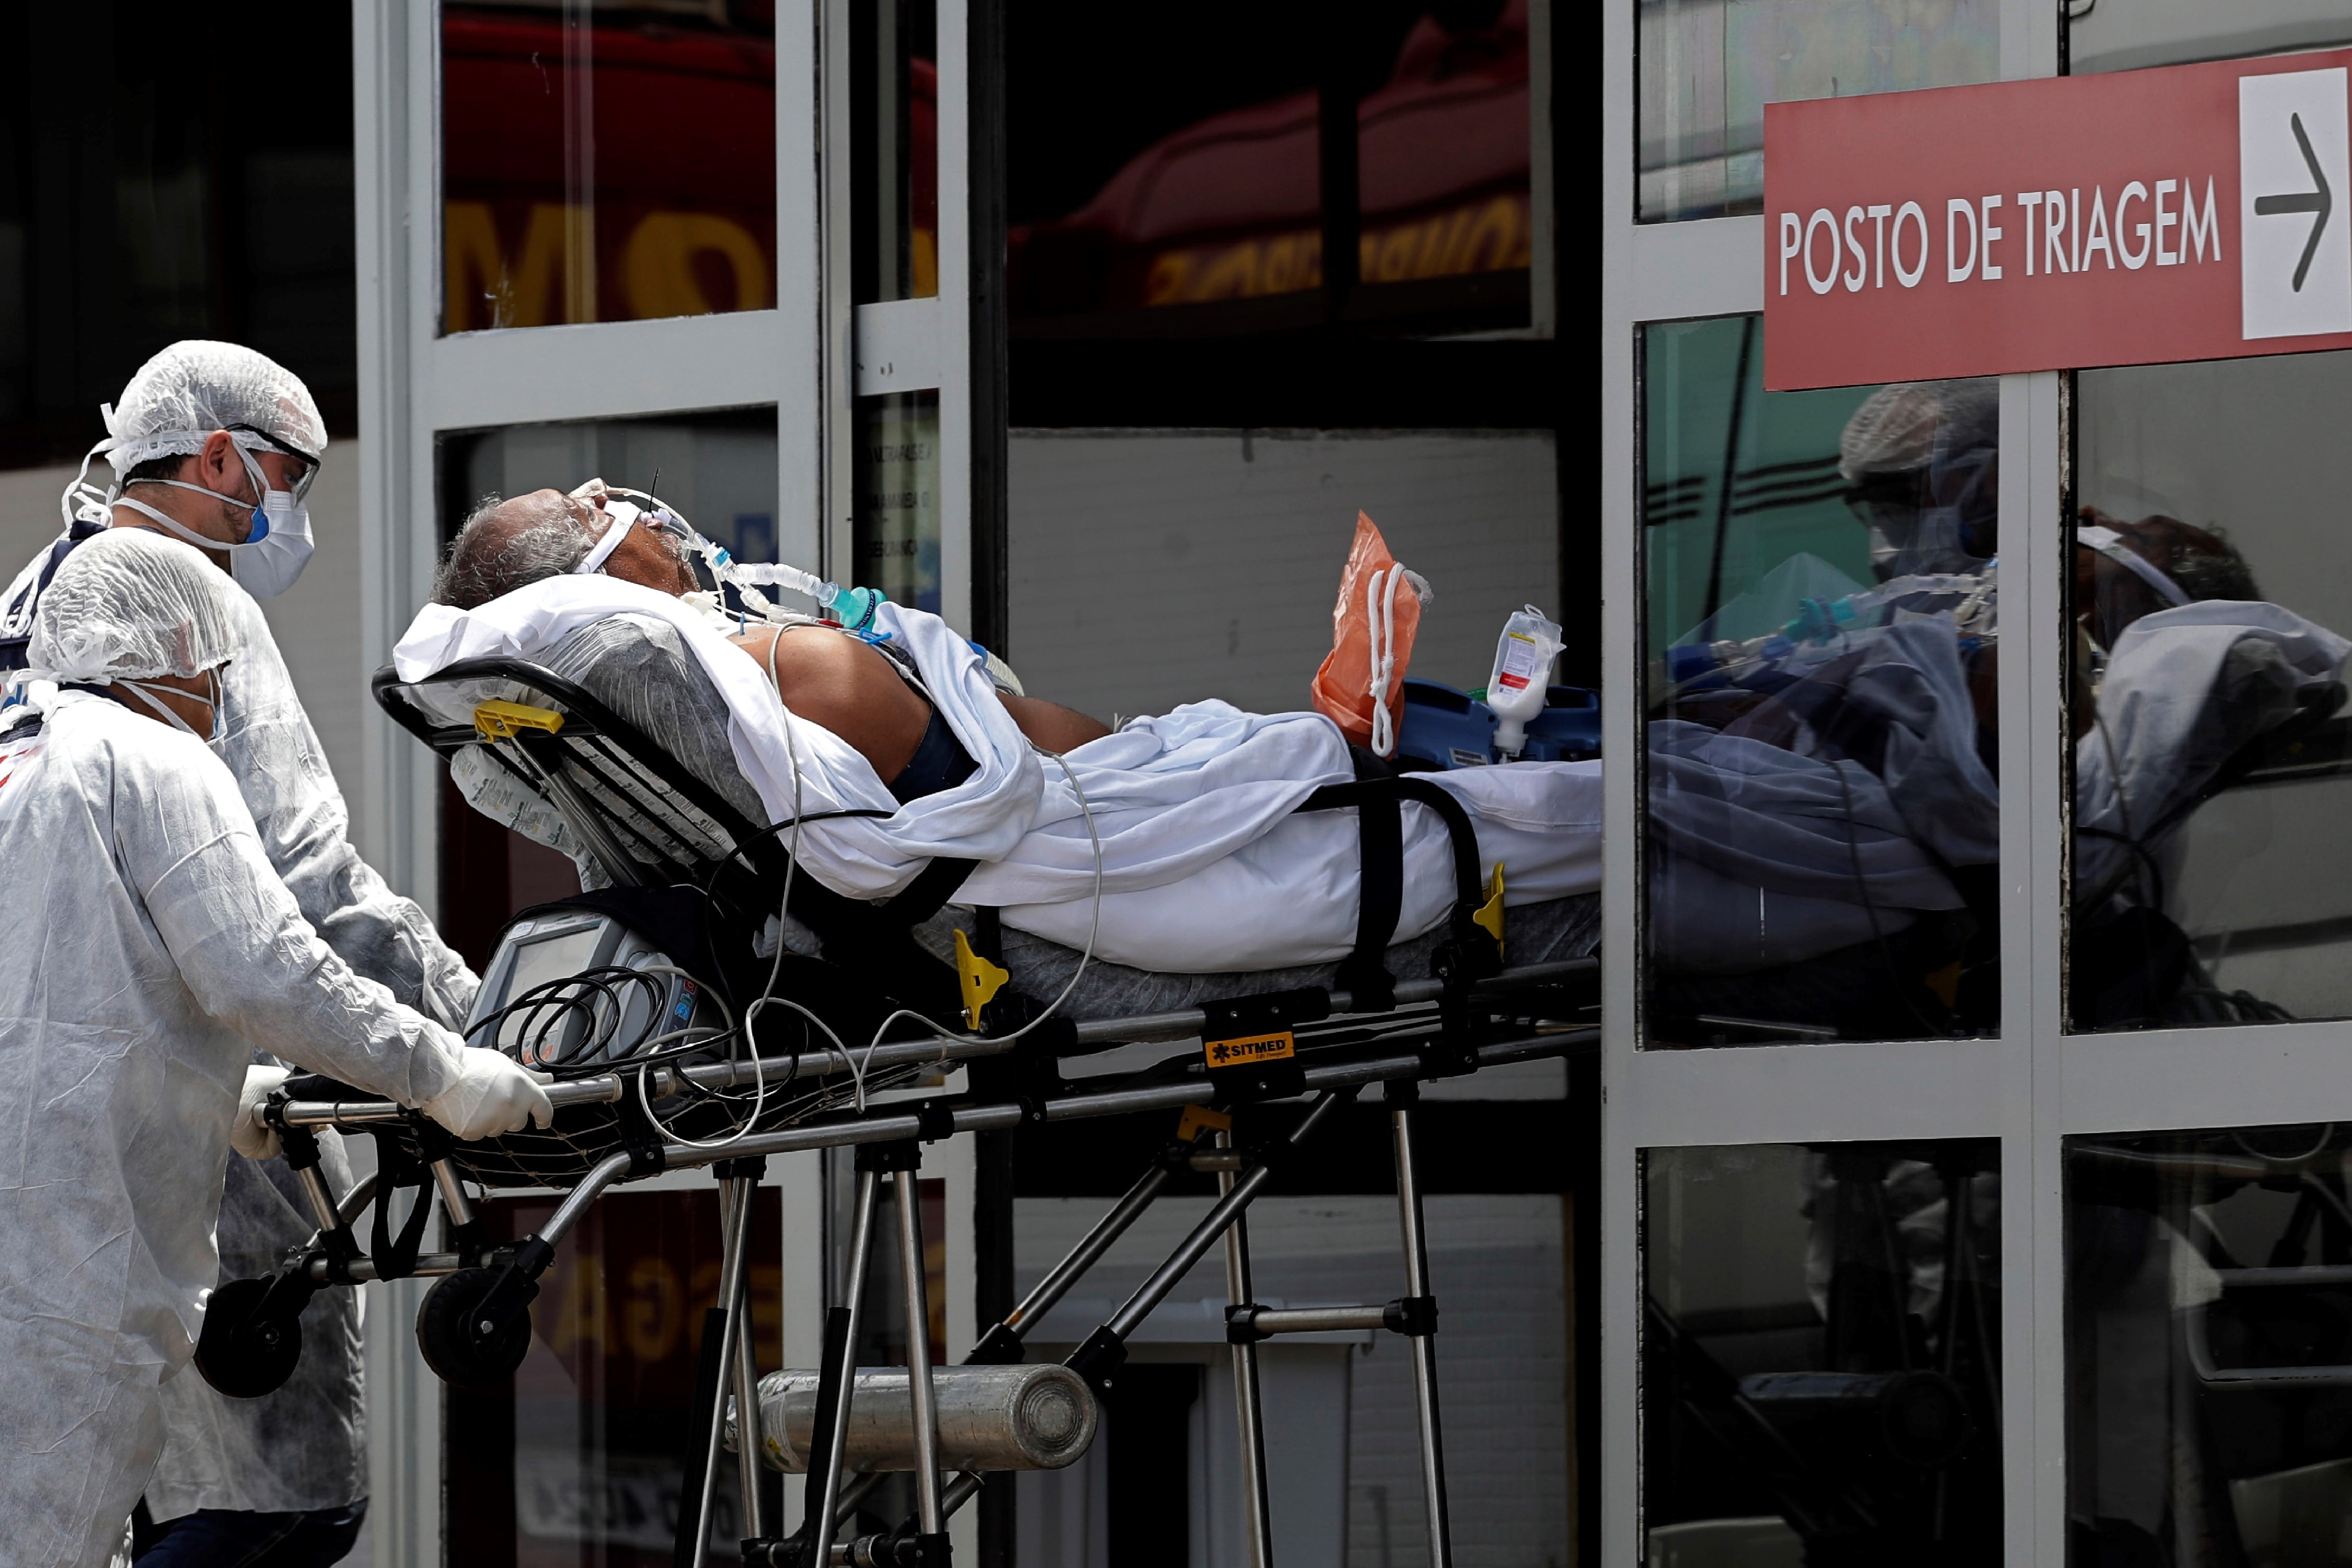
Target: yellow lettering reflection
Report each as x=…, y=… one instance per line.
x=657, y=266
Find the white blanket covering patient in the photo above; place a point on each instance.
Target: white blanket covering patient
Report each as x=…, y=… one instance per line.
x=1205, y=864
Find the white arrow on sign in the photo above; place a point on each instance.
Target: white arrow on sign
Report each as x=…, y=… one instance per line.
x=2293, y=253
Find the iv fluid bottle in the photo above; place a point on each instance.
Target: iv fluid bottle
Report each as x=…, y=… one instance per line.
x=1522, y=661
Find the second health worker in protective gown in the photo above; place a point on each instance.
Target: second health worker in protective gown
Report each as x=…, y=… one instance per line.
x=153, y=948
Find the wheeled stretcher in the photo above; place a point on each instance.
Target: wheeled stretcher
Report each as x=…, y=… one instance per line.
x=684, y=1030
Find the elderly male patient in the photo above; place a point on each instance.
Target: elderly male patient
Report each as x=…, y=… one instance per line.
x=852, y=688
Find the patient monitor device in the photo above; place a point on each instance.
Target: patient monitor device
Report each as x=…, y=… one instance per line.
x=579, y=989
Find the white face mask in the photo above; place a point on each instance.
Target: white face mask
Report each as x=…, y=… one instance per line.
x=154, y=692
x=272, y=555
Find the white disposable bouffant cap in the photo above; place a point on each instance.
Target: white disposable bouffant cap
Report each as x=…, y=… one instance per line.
x=194, y=387
x=130, y=605
x=1898, y=428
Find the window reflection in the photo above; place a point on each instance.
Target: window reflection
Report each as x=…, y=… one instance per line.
x=606, y=162
x=1708, y=68
x=581, y=1461
x=2208, y=1347
x=1821, y=621
x=1820, y=1354
x=897, y=539
x=1152, y=171
x=896, y=151
x=2212, y=758
x=2103, y=36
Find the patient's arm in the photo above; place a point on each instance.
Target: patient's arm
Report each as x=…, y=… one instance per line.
x=856, y=693
x=1051, y=725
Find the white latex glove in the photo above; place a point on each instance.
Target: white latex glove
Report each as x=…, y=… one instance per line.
x=492, y=1095
x=249, y=1135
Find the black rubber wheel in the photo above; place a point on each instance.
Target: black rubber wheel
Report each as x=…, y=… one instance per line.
x=444, y=1324
x=242, y=1356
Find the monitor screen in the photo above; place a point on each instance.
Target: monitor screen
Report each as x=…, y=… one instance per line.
x=553, y=957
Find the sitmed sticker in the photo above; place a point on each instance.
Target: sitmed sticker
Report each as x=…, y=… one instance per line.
x=1250, y=1048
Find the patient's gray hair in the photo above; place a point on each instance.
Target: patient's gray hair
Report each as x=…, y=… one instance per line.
x=507, y=545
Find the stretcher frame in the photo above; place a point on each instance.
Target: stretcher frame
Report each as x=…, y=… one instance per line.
x=644, y=816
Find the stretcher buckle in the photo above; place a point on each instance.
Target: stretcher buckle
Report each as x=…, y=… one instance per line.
x=498, y=720
x=1489, y=915
x=977, y=978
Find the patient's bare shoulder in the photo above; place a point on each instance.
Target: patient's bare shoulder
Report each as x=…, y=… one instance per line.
x=847, y=687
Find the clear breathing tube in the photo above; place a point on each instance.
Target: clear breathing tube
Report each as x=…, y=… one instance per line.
x=853, y=608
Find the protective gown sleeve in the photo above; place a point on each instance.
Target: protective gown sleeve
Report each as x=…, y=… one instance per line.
x=299, y=813
x=242, y=946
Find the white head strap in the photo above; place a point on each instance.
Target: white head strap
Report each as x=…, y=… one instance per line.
x=624, y=517
x=2110, y=543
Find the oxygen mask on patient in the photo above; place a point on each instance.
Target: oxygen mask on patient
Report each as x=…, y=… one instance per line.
x=852, y=607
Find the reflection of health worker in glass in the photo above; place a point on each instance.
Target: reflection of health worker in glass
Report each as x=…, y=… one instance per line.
x=153, y=948
x=217, y=446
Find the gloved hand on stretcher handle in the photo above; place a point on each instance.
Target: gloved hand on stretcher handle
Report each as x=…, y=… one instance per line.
x=491, y=1094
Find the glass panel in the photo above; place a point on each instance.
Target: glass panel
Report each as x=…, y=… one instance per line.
x=1165, y=181
x=719, y=469
x=1820, y=624
x=2104, y=36
x=1820, y=1354
x=579, y=1462
x=2210, y=577
x=897, y=525
x=1709, y=66
x=2209, y=1349
x=1442, y=157
x=897, y=150
x=607, y=162
x=1162, y=1482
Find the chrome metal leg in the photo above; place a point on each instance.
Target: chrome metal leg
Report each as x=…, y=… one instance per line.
x=735, y=1205
x=928, y=1514
x=747, y=1382
x=861, y=1240
x=1423, y=1345
x=1246, y=1412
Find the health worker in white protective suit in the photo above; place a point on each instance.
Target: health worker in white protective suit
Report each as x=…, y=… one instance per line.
x=217, y=446
x=153, y=948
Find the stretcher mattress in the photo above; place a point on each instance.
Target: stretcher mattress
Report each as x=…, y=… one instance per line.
x=1538, y=933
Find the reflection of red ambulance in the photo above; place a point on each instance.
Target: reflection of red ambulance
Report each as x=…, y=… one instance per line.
x=1227, y=208
x=667, y=206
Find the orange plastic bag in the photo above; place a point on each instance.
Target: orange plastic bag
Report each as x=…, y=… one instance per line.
x=1372, y=627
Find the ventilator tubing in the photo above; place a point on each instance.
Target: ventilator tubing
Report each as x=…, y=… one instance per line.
x=991, y=1419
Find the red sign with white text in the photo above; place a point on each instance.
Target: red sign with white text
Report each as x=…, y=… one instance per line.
x=2193, y=212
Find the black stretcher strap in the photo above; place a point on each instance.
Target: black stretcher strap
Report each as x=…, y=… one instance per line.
x=1376, y=797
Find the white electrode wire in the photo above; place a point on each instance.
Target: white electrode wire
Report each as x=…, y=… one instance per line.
x=1094, y=930
x=783, y=908
x=759, y=1003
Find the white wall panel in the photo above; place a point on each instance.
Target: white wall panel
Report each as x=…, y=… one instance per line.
x=1154, y=568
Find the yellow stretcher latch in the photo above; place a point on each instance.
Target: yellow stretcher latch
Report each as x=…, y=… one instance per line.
x=1490, y=913
x=501, y=721
x=979, y=980
x=1200, y=1118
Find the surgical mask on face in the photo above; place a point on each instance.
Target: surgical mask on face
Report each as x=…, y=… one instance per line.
x=153, y=693
x=273, y=555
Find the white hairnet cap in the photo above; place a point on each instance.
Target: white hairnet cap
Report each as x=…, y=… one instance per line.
x=1902, y=428
x=128, y=604
x=195, y=387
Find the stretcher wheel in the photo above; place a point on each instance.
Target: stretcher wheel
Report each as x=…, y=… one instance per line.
x=445, y=1333
x=241, y=1355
